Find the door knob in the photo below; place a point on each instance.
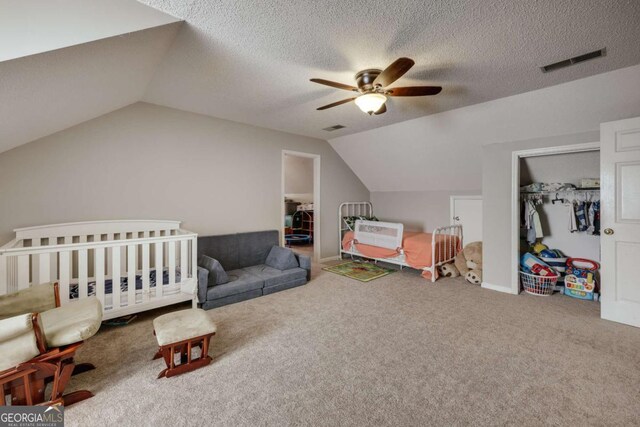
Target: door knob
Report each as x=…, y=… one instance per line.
x=457, y=218
x=608, y=231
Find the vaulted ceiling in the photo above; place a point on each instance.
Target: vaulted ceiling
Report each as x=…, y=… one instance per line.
x=74, y=60
x=251, y=61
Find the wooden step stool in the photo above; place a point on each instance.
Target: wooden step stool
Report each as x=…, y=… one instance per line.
x=178, y=333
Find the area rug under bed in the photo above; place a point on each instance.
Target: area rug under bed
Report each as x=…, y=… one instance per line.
x=362, y=271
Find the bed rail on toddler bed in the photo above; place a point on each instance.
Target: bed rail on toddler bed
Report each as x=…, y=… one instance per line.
x=129, y=265
x=445, y=241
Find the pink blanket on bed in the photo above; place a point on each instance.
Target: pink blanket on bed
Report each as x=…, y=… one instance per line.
x=416, y=246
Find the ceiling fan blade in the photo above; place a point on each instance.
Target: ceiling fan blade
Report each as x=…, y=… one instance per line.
x=335, y=104
x=335, y=84
x=414, y=91
x=382, y=110
x=393, y=72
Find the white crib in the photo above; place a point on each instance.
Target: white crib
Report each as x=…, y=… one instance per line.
x=92, y=258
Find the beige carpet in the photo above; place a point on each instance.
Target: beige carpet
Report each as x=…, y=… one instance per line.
x=396, y=351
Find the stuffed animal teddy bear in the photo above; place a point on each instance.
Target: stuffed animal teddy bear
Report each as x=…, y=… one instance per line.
x=468, y=263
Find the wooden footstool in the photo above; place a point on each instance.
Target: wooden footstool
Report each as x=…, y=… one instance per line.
x=178, y=334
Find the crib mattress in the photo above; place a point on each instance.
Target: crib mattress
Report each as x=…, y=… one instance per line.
x=124, y=284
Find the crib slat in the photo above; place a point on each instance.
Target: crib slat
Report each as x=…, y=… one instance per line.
x=4, y=278
x=65, y=275
x=35, y=264
x=184, y=266
x=123, y=255
x=131, y=278
x=23, y=271
x=83, y=273
x=172, y=262
x=99, y=273
x=145, y=272
x=44, y=268
x=115, y=276
x=109, y=257
x=158, y=266
x=53, y=260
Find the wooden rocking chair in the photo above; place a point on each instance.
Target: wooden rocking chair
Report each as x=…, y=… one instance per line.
x=38, y=348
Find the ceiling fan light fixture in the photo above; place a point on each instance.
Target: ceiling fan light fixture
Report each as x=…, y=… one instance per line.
x=370, y=102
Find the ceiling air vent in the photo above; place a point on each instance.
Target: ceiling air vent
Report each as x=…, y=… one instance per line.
x=334, y=127
x=574, y=60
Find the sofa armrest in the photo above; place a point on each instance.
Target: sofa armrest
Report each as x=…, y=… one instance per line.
x=305, y=262
x=203, y=284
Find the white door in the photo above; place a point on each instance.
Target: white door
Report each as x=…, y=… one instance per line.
x=620, y=220
x=467, y=210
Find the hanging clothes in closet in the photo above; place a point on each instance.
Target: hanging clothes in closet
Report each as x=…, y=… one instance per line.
x=531, y=219
x=584, y=215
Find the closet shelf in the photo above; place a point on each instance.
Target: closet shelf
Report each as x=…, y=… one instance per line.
x=551, y=193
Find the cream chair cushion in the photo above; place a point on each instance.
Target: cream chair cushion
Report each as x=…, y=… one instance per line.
x=73, y=322
x=17, y=341
x=34, y=299
x=182, y=325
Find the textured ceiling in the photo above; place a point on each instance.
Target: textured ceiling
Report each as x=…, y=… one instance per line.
x=251, y=61
x=45, y=93
x=29, y=27
x=444, y=151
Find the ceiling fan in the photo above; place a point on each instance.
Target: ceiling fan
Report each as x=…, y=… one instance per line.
x=372, y=87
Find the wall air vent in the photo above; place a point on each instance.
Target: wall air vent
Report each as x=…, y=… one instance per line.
x=574, y=60
x=334, y=127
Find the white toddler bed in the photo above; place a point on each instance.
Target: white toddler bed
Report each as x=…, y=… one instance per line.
x=445, y=242
x=129, y=265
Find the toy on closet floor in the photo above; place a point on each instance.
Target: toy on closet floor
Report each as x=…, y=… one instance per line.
x=580, y=281
x=468, y=263
x=536, y=276
x=533, y=265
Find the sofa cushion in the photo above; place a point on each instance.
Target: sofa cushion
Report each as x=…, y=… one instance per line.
x=219, y=276
x=224, y=248
x=281, y=258
x=254, y=247
x=273, y=276
x=239, y=281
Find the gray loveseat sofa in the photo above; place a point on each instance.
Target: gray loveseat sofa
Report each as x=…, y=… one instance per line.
x=243, y=258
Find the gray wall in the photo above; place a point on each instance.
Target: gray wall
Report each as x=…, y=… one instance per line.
x=496, y=195
x=151, y=162
x=298, y=175
x=417, y=210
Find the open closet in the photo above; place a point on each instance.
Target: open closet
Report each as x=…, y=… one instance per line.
x=560, y=224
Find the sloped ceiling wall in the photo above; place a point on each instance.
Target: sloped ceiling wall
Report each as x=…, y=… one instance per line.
x=45, y=93
x=443, y=151
x=29, y=27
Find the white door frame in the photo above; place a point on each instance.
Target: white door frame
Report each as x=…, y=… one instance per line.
x=515, y=196
x=452, y=200
x=316, y=199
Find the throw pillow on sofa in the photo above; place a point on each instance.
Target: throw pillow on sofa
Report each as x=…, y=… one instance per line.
x=281, y=258
x=214, y=266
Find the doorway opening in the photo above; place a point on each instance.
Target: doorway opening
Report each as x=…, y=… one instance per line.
x=301, y=203
x=555, y=214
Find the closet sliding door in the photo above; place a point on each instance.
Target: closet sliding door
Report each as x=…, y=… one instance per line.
x=620, y=191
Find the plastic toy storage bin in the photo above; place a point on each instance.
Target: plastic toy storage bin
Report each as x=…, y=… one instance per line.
x=538, y=285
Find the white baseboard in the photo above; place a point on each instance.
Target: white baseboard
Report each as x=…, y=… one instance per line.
x=497, y=288
x=330, y=258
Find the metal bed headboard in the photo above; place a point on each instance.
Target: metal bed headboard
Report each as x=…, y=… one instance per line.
x=351, y=209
